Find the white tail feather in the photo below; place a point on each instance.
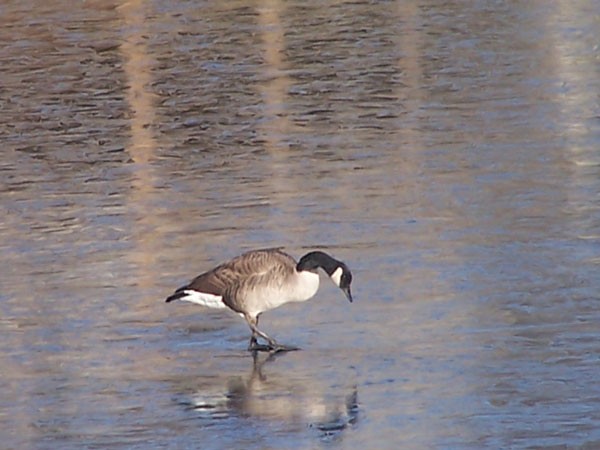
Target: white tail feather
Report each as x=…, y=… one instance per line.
x=204, y=299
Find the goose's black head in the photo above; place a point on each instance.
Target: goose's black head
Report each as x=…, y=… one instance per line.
x=337, y=270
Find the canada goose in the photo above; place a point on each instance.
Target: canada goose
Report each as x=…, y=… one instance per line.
x=260, y=280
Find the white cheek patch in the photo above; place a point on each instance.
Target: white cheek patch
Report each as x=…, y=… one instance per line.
x=336, y=276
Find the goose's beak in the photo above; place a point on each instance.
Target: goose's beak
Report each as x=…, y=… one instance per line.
x=348, y=294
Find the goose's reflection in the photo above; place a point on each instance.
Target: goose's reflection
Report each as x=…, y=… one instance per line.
x=292, y=400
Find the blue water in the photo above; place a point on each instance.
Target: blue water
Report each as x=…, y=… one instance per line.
x=447, y=152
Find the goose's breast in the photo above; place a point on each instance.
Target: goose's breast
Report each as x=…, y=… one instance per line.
x=304, y=287
x=296, y=288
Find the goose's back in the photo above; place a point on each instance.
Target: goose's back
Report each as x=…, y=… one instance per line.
x=266, y=268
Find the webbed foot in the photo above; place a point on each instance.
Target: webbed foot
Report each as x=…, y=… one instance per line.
x=272, y=347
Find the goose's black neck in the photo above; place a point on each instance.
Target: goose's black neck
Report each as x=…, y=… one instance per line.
x=313, y=260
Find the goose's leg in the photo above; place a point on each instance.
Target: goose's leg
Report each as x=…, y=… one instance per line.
x=273, y=344
x=253, y=324
x=253, y=339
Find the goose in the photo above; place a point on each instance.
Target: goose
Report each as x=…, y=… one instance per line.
x=260, y=280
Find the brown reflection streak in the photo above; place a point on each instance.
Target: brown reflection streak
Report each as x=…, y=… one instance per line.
x=572, y=61
x=411, y=141
x=276, y=83
x=570, y=67
x=137, y=67
x=408, y=134
x=277, y=126
x=410, y=92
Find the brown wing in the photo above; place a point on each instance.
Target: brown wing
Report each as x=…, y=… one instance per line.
x=246, y=266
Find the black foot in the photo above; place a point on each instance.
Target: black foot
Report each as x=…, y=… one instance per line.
x=272, y=347
x=260, y=348
x=283, y=348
